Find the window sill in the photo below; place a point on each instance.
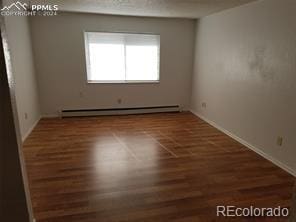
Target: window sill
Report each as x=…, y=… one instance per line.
x=123, y=82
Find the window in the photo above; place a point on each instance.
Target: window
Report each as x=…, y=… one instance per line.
x=122, y=57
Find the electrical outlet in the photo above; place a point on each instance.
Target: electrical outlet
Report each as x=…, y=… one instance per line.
x=204, y=104
x=81, y=94
x=279, y=141
x=119, y=101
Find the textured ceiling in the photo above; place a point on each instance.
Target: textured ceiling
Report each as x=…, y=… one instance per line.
x=158, y=8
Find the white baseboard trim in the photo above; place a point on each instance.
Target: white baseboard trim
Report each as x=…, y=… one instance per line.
x=245, y=143
x=24, y=137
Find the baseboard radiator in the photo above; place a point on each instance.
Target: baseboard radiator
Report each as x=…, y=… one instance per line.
x=119, y=111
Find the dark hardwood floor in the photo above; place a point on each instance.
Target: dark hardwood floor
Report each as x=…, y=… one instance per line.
x=154, y=167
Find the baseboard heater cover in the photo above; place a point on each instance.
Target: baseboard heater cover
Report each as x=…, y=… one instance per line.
x=119, y=111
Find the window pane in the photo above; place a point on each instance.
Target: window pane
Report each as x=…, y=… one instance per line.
x=122, y=56
x=106, y=62
x=141, y=62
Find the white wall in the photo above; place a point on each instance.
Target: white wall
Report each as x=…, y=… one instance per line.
x=245, y=71
x=60, y=62
x=19, y=41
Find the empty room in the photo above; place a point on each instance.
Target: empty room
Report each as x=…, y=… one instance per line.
x=148, y=110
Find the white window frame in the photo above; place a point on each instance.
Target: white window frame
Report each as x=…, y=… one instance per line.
x=117, y=81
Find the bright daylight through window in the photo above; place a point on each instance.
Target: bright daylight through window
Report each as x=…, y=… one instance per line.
x=122, y=57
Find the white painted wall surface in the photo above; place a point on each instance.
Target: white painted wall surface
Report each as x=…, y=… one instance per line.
x=245, y=70
x=60, y=62
x=19, y=40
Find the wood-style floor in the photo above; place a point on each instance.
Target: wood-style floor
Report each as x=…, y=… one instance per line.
x=154, y=167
